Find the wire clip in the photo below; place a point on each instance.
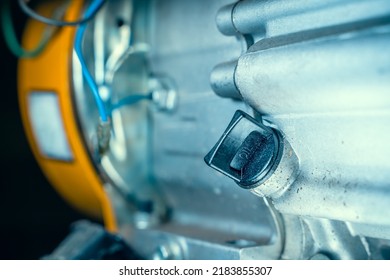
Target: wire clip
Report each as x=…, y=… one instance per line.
x=103, y=136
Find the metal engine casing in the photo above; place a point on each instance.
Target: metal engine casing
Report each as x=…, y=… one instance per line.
x=317, y=71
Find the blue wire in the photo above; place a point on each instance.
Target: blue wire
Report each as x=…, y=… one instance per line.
x=130, y=100
x=87, y=75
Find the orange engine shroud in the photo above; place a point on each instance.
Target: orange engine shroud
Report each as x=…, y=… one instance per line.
x=77, y=181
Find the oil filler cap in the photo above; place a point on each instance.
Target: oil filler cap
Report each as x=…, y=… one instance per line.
x=248, y=151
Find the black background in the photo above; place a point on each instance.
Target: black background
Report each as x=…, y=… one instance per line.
x=33, y=217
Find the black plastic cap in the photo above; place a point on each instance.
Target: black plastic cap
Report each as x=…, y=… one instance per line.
x=248, y=151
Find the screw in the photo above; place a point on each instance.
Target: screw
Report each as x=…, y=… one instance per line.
x=164, y=94
x=168, y=251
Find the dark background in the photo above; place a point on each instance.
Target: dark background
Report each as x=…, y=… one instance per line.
x=33, y=217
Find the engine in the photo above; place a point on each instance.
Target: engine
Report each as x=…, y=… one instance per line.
x=245, y=130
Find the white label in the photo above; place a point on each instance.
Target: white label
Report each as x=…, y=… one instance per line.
x=47, y=125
